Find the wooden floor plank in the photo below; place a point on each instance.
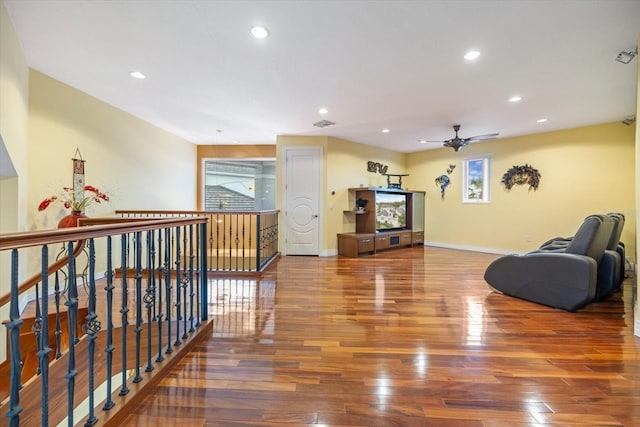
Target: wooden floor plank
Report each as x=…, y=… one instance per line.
x=410, y=337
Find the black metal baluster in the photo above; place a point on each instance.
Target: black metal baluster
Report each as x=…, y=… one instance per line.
x=167, y=284
x=178, y=287
x=36, y=328
x=161, y=268
x=109, y=403
x=43, y=348
x=58, y=321
x=91, y=328
x=216, y=241
x=72, y=322
x=204, y=306
x=258, y=243
x=14, y=343
x=191, y=291
x=149, y=296
x=237, y=242
x=200, y=262
x=124, y=310
x=224, y=243
x=138, y=330
x=185, y=282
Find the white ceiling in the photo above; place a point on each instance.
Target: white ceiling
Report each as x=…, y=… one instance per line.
x=373, y=64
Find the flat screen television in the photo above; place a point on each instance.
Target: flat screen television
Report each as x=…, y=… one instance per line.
x=391, y=211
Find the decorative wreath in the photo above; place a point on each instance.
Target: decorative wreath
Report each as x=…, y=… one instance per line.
x=521, y=175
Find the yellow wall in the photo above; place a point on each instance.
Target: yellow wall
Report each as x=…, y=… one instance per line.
x=14, y=94
x=229, y=152
x=138, y=164
x=584, y=170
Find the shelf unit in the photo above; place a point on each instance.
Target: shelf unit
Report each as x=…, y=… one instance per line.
x=366, y=240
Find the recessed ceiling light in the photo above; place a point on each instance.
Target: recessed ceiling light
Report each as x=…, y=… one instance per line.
x=323, y=111
x=541, y=120
x=422, y=141
x=385, y=130
x=259, y=32
x=516, y=98
x=137, y=75
x=471, y=55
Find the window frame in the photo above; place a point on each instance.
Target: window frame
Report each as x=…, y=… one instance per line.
x=240, y=160
x=467, y=178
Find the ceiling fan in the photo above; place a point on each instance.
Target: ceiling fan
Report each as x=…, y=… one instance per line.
x=456, y=142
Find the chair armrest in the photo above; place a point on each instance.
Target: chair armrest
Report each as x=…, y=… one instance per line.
x=556, y=279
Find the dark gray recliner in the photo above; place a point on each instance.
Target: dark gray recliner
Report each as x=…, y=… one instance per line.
x=565, y=278
x=611, y=268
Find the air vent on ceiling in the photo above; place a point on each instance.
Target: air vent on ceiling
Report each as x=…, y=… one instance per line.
x=323, y=123
x=629, y=119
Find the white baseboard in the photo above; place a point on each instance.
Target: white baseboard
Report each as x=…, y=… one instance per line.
x=333, y=252
x=471, y=248
x=496, y=251
x=329, y=252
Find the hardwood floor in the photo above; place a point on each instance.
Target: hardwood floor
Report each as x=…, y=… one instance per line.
x=410, y=337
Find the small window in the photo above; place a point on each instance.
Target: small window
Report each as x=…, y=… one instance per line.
x=239, y=185
x=476, y=180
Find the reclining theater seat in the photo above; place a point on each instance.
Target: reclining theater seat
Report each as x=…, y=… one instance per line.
x=611, y=268
x=564, y=278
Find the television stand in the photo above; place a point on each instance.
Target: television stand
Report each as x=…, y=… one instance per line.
x=366, y=239
x=356, y=244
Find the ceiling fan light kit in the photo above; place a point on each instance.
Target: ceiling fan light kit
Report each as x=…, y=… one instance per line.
x=457, y=143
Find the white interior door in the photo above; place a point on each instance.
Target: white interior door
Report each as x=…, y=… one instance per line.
x=302, y=176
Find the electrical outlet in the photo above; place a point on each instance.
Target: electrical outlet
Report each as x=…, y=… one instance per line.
x=629, y=265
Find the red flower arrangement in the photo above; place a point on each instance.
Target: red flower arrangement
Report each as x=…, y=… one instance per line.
x=68, y=200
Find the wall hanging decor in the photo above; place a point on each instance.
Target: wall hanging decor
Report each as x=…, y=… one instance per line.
x=75, y=198
x=521, y=175
x=377, y=167
x=443, y=181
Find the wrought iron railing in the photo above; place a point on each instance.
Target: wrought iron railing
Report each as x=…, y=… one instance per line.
x=98, y=342
x=238, y=241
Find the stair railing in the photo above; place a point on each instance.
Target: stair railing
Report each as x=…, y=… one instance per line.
x=151, y=309
x=237, y=242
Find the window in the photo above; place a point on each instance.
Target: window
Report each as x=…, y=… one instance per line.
x=239, y=185
x=475, y=187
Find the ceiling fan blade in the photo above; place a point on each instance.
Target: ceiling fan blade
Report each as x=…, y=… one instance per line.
x=482, y=137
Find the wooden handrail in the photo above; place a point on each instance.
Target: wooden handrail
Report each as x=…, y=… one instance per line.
x=111, y=227
x=105, y=227
x=218, y=212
